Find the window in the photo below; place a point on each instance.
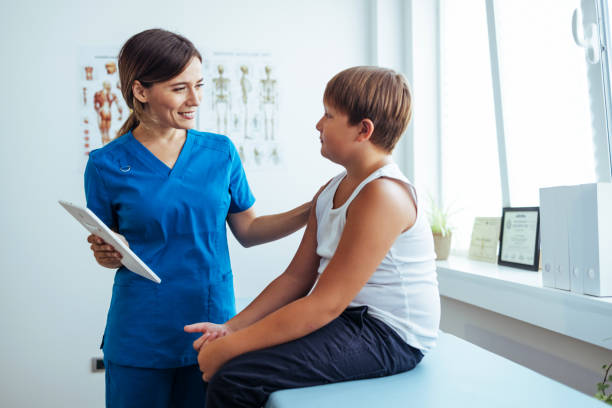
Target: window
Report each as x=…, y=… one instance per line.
x=470, y=169
x=545, y=98
x=517, y=58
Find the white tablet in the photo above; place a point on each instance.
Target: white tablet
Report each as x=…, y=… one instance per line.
x=94, y=225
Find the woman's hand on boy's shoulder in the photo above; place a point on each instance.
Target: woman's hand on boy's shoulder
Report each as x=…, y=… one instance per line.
x=210, y=332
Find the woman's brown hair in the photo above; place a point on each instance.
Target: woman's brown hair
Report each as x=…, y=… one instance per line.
x=149, y=57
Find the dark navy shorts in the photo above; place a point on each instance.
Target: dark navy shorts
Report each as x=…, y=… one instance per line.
x=353, y=346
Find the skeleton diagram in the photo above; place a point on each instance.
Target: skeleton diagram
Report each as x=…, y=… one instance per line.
x=246, y=87
x=268, y=103
x=221, y=99
x=103, y=102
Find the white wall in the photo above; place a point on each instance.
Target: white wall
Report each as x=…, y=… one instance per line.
x=53, y=297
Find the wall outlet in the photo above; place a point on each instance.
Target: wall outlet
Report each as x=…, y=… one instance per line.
x=97, y=364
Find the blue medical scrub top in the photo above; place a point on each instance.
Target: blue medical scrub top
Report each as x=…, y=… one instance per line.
x=174, y=220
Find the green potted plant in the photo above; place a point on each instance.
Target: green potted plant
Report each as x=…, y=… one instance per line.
x=601, y=387
x=441, y=229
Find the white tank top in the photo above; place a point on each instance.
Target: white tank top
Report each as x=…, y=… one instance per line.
x=403, y=291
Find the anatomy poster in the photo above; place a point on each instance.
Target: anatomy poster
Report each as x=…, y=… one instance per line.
x=103, y=110
x=241, y=101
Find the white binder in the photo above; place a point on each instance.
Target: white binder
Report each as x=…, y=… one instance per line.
x=548, y=218
x=576, y=238
x=577, y=231
x=562, y=264
x=597, y=217
x=554, y=237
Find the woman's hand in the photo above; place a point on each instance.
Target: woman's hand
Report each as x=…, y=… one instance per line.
x=105, y=254
x=210, y=332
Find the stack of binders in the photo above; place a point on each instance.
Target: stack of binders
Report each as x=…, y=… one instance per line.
x=576, y=238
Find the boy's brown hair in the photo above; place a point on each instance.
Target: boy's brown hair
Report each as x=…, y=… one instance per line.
x=379, y=94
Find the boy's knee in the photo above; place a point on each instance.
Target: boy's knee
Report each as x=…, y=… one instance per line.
x=227, y=380
x=217, y=391
x=220, y=381
x=228, y=388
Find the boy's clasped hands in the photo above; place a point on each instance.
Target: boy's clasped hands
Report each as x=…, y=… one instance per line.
x=210, y=358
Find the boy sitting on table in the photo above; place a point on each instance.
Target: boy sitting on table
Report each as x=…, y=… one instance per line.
x=360, y=297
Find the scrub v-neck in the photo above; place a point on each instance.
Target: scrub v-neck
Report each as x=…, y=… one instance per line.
x=159, y=166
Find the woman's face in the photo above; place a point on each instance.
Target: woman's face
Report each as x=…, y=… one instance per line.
x=174, y=103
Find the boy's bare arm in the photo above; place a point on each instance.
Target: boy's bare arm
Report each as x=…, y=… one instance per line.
x=295, y=282
x=375, y=219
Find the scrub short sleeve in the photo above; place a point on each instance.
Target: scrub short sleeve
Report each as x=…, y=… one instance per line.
x=241, y=197
x=96, y=195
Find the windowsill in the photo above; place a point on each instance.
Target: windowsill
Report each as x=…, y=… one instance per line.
x=519, y=294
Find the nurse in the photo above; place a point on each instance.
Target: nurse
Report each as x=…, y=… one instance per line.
x=169, y=190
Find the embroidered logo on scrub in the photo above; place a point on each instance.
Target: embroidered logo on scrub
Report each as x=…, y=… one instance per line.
x=125, y=169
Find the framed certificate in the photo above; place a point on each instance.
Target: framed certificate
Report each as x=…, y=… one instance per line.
x=485, y=237
x=519, y=239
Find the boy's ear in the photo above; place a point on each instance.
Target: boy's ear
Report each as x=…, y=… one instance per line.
x=366, y=128
x=139, y=91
